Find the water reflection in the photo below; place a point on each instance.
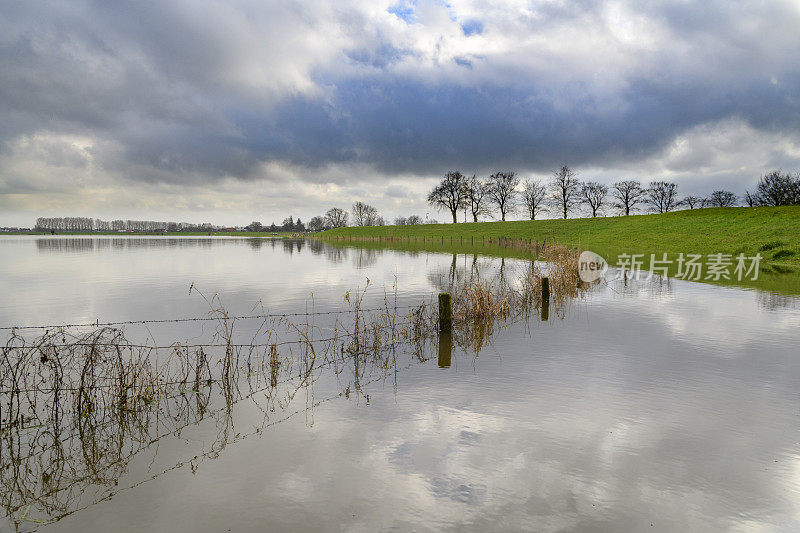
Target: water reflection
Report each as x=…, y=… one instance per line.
x=90, y=244
x=639, y=402
x=445, y=350
x=774, y=301
x=364, y=258
x=76, y=424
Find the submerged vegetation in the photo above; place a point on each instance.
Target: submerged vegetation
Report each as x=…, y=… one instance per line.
x=80, y=402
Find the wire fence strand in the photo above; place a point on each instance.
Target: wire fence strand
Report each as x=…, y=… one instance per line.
x=97, y=323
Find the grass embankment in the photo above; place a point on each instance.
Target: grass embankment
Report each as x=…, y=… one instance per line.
x=774, y=232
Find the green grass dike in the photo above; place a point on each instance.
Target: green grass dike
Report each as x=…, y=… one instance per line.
x=772, y=232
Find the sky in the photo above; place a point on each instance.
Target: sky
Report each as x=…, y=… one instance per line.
x=229, y=112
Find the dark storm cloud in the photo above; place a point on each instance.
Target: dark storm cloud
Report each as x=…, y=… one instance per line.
x=181, y=92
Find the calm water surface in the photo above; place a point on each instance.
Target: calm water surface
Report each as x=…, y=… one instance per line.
x=658, y=406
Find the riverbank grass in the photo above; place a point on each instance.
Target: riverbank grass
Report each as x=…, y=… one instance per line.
x=774, y=232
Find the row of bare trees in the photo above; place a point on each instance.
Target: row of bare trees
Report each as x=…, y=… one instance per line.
x=336, y=217
x=87, y=224
x=505, y=192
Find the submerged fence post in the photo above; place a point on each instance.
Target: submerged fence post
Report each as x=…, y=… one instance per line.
x=545, y=288
x=445, y=313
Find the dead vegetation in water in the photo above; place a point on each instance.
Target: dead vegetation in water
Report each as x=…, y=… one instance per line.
x=103, y=369
x=76, y=407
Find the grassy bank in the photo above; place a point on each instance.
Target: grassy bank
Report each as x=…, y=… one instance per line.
x=772, y=231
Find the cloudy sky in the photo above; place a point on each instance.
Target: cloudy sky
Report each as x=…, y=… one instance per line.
x=252, y=110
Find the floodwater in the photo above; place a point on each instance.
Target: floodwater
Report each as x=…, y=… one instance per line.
x=658, y=405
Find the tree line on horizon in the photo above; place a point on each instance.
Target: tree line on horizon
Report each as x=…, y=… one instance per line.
x=501, y=192
x=96, y=224
x=564, y=193
x=505, y=192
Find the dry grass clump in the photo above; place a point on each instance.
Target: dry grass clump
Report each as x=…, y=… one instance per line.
x=478, y=301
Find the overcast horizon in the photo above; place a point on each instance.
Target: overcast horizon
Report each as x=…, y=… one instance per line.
x=228, y=112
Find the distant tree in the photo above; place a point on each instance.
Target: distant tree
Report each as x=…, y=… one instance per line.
x=273, y=228
x=722, y=199
x=288, y=224
x=627, y=195
x=254, y=226
x=365, y=214
x=565, y=190
x=662, y=196
x=503, y=192
x=594, y=194
x=476, y=192
x=316, y=224
x=407, y=221
x=777, y=188
x=450, y=193
x=693, y=202
x=750, y=199
x=299, y=226
x=379, y=221
x=336, y=218
x=533, y=197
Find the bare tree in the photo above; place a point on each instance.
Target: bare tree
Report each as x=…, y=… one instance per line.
x=408, y=221
x=317, y=224
x=476, y=192
x=594, y=194
x=777, y=188
x=533, y=196
x=693, y=202
x=627, y=195
x=503, y=191
x=365, y=215
x=662, y=196
x=336, y=218
x=450, y=193
x=566, y=190
x=722, y=199
x=750, y=199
